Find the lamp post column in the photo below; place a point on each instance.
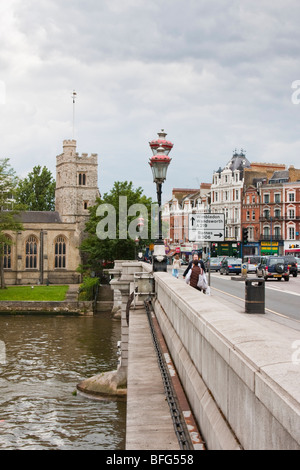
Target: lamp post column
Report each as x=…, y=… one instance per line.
x=159, y=164
x=158, y=192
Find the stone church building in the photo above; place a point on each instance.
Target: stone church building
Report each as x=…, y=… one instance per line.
x=47, y=250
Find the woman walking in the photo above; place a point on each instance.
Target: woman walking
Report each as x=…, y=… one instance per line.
x=176, y=266
x=196, y=279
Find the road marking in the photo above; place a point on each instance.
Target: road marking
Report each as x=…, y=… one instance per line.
x=228, y=278
x=223, y=292
x=267, y=309
x=283, y=291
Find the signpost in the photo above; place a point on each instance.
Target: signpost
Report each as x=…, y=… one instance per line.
x=206, y=227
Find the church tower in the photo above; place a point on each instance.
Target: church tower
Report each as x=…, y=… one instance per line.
x=76, y=184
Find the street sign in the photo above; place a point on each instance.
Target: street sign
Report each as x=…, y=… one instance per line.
x=206, y=226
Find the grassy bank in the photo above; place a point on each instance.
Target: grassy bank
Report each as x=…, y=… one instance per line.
x=39, y=293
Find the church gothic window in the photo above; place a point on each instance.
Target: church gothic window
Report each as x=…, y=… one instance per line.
x=31, y=253
x=60, y=252
x=7, y=257
x=82, y=179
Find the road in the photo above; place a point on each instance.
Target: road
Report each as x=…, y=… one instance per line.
x=282, y=299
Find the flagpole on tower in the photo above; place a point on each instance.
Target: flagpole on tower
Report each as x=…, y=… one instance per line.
x=74, y=96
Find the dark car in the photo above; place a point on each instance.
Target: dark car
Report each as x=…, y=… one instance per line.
x=273, y=267
x=231, y=265
x=293, y=265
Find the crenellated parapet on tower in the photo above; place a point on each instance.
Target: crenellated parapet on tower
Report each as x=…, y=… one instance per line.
x=76, y=184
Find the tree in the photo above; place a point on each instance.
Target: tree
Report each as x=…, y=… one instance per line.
x=37, y=191
x=8, y=210
x=122, y=244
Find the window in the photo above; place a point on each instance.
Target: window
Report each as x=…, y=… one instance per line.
x=248, y=215
x=7, y=257
x=81, y=179
x=266, y=231
x=248, y=199
x=266, y=198
x=60, y=252
x=253, y=199
x=291, y=233
x=277, y=198
x=85, y=205
x=236, y=215
x=253, y=215
x=277, y=232
x=31, y=253
x=277, y=213
x=291, y=213
x=266, y=214
x=291, y=197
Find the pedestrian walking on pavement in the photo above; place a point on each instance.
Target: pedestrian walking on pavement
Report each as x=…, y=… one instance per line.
x=190, y=265
x=176, y=266
x=196, y=276
x=199, y=277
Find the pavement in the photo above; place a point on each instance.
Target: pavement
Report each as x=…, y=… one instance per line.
x=149, y=422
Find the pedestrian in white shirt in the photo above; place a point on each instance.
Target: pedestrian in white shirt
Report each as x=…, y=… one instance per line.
x=176, y=266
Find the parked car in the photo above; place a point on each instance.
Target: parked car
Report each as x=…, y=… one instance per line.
x=273, y=267
x=214, y=264
x=252, y=262
x=231, y=265
x=293, y=265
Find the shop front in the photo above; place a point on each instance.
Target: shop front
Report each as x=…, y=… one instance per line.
x=251, y=249
x=227, y=248
x=271, y=248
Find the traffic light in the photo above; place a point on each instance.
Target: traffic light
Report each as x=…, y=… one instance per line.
x=245, y=236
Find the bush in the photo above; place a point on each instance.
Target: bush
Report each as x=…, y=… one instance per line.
x=87, y=289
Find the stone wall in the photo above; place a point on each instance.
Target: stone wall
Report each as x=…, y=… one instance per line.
x=64, y=307
x=236, y=369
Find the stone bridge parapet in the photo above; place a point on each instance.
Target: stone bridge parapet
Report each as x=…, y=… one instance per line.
x=237, y=369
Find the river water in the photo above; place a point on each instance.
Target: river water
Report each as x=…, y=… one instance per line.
x=42, y=359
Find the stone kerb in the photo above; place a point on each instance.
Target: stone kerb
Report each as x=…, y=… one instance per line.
x=237, y=369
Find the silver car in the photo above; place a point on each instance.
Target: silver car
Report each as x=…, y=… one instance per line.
x=215, y=264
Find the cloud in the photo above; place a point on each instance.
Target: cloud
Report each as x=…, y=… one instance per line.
x=215, y=75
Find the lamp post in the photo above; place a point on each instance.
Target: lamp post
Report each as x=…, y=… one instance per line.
x=159, y=163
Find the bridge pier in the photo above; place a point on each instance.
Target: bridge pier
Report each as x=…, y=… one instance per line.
x=114, y=383
x=124, y=284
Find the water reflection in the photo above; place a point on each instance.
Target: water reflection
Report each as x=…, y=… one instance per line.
x=45, y=357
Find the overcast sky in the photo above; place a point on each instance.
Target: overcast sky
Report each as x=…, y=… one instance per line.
x=217, y=75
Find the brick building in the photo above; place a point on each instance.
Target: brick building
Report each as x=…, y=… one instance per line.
x=270, y=208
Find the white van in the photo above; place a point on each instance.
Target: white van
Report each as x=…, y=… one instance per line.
x=252, y=261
